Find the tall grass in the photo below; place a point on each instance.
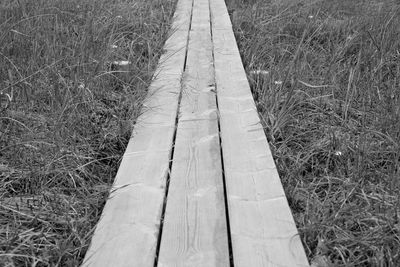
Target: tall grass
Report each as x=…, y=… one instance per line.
x=325, y=75
x=68, y=103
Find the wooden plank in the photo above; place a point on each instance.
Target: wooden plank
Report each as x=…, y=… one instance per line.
x=195, y=232
x=127, y=233
x=263, y=231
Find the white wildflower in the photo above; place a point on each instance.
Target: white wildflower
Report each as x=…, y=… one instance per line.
x=114, y=46
x=338, y=153
x=121, y=63
x=350, y=37
x=259, y=72
x=278, y=82
x=310, y=17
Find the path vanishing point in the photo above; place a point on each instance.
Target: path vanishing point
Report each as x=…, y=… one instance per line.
x=197, y=185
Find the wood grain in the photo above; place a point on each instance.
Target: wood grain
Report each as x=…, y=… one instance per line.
x=127, y=232
x=263, y=232
x=195, y=232
x=262, y=228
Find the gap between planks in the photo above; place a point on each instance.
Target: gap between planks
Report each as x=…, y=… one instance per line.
x=128, y=230
x=263, y=231
x=260, y=230
x=195, y=231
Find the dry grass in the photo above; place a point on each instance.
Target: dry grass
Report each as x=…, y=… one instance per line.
x=66, y=113
x=326, y=76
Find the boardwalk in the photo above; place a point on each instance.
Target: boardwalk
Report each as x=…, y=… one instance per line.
x=197, y=185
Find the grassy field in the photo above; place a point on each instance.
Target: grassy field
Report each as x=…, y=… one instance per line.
x=325, y=75
x=73, y=75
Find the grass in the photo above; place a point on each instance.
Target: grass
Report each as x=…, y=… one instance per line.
x=325, y=75
x=67, y=105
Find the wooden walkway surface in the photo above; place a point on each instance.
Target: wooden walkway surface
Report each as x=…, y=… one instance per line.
x=197, y=185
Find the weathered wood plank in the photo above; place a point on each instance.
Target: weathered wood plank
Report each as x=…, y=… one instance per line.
x=195, y=232
x=127, y=232
x=262, y=228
